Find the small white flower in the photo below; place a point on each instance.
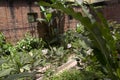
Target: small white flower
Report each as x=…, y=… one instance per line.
x=69, y=45
x=54, y=48
x=23, y=47
x=21, y=70
x=30, y=53
x=83, y=64
x=45, y=51
x=89, y=51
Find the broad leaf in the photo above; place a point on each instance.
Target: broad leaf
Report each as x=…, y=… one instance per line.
x=21, y=75
x=2, y=61
x=5, y=72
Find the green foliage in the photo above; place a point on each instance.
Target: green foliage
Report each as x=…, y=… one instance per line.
x=29, y=43
x=4, y=47
x=67, y=38
x=75, y=42
x=51, y=20
x=103, y=42
x=114, y=27
x=74, y=74
x=115, y=31
x=20, y=76
x=14, y=64
x=5, y=72
x=95, y=48
x=80, y=28
x=21, y=60
x=57, y=56
x=18, y=64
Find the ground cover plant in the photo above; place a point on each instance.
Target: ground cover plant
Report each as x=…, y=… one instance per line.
x=91, y=42
x=103, y=42
x=74, y=74
x=23, y=58
x=4, y=46
x=20, y=63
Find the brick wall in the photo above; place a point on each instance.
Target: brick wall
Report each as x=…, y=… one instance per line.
x=69, y=22
x=112, y=11
x=14, y=19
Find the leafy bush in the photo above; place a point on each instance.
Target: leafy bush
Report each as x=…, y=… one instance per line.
x=102, y=41
x=4, y=47
x=29, y=43
x=103, y=61
x=51, y=20
x=20, y=64
x=23, y=62
x=74, y=74
x=115, y=31
x=22, y=57
x=57, y=56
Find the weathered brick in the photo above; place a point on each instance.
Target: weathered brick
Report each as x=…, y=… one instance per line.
x=14, y=23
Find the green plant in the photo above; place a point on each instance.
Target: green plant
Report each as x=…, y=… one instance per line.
x=21, y=61
x=21, y=64
x=80, y=28
x=74, y=74
x=115, y=31
x=4, y=46
x=51, y=20
x=56, y=55
x=29, y=43
x=103, y=42
x=15, y=63
x=67, y=38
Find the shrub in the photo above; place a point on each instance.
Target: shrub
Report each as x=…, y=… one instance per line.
x=29, y=43
x=74, y=74
x=102, y=40
x=4, y=46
